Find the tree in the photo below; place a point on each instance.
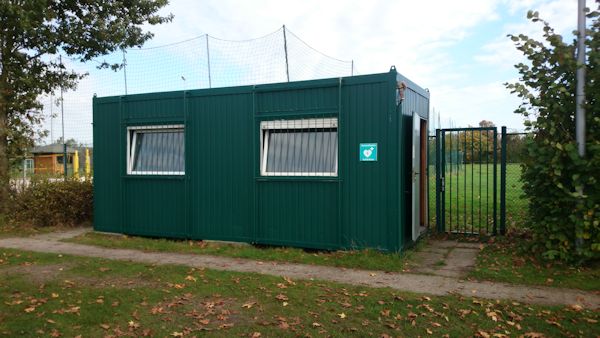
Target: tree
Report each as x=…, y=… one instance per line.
x=33, y=33
x=554, y=175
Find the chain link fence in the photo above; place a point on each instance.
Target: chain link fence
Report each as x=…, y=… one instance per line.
x=516, y=202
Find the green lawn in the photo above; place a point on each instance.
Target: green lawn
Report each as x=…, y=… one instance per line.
x=507, y=261
x=54, y=295
x=469, y=197
x=361, y=259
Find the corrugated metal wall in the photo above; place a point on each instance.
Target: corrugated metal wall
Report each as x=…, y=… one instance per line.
x=222, y=194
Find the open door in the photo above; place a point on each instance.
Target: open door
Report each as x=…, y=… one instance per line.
x=416, y=177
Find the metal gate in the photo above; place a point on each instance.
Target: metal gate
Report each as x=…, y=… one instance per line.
x=467, y=175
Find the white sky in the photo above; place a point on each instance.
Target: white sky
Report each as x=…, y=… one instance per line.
x=457, y=49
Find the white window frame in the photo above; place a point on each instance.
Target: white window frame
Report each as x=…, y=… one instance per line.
x=132, y=132
x=267, y=126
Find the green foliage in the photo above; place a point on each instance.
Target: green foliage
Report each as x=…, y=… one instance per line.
x=553, y=173
x=32, y=35
x=52, y=203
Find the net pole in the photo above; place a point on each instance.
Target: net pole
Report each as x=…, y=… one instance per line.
x=124, y=70
x=208, y=62
x=287, y=67
x=62, y=114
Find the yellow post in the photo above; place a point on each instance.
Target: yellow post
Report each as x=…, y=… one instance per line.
x=76, y=164
x=87, y=164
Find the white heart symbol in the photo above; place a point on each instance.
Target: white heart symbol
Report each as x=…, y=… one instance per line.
x=367, y=152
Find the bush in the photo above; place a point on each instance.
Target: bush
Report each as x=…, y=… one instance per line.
x=563, y=188
x=49, y=203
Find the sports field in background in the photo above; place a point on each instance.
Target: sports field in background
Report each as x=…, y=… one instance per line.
x=470, y=193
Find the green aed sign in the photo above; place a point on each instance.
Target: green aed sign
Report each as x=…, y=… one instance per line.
x=368, y=151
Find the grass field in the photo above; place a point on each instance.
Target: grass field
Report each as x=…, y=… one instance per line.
x=469, y=197
x=55, y=295
x=507, y=260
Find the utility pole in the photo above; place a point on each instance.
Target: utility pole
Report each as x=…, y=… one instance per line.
x=580, y=97
x=580, y=90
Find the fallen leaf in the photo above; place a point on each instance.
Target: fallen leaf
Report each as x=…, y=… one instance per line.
x=256, y=335
x=248, y=305
x=54, y=295
x=342, y=315
x=533, y=335
x=577, y=307
x=553, y=322
x=315, y=324
x=483, y=334
x=177, y=334
x=429, y=331
x=105, y=326
x=30, y=309
x=281, y=297
x=190, y=278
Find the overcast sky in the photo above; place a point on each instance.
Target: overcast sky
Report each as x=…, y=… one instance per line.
x=457, y=49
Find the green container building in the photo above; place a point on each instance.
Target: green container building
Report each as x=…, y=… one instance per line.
x=326, y=164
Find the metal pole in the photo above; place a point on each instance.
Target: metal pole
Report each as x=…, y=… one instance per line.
x=62, y=114
x=287, y=68
x=208, y=61
x=438, y=182
x=124, y=70
x=51, y=119
x=352, y=71
x=495, y=173
x=503, y=183
x=580, y=94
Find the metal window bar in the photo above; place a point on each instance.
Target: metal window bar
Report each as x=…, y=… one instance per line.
x=299, y=147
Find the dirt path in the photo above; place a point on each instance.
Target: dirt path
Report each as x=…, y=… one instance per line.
x=434, y=284
x=445, y=258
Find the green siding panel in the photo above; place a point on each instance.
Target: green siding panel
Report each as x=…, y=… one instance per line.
x=107, y=175
x=368, y=119
x=220, y=166
x=155, y=207
x=298, y=213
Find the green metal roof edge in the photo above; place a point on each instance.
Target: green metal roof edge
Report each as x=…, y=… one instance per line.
x=368, y=78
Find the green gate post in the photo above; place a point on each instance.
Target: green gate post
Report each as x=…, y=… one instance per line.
x=495, y=182
x=442, y=181
x=503, y=184
x=438, y=181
